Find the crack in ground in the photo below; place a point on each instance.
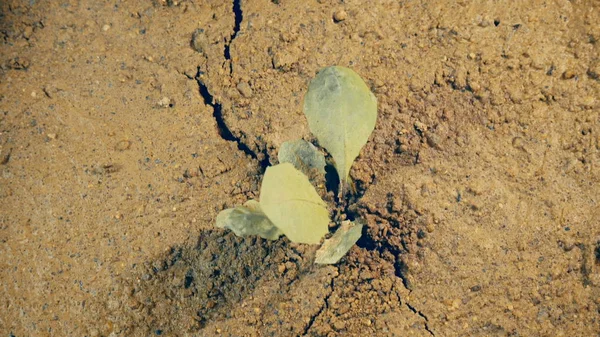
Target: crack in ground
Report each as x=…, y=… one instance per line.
x=238, y=15
x=223, y=129
x=400, y=268
x=325, y=305
x=422, y=315
x=400, y=271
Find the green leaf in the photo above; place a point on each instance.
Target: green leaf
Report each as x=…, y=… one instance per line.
x=340, y=243
x=303, y=155
x=248, y=220
x=341, y=112
x=293, y=205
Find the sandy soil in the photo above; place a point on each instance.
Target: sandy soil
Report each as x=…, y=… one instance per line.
x=126, y=126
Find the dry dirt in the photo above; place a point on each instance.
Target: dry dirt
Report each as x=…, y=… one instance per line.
x=126, y=126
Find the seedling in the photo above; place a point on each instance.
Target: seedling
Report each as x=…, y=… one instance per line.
x=341, y=113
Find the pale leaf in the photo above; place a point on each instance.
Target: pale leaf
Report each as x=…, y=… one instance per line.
x=341, y=112
x=248, y=220
x=334, y=248
x=292, y=204
x=303, y=155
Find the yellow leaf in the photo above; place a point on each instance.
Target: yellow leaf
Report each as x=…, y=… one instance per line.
x=292, y=204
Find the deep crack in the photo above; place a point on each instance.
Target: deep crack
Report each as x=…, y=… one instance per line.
x=238, y=15
x=222, y=127
x=400, y=270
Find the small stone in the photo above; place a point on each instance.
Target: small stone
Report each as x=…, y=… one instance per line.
x=199, y=40
x=475, y=288
x=429, y=228
x=475, y=87
x=339, y=325
x=433, y=140
x=485, y=21
x=105, y=28
x=588, y=102
x=244, y=89
x=51, y=135
x=569, y=74
x=340, y=16
x=123, y=145
x=27, y=32
x=281, y=268
x=421, y=127
x=594, y=71
x=285, y=59
x=5, y=157
x=164, y=102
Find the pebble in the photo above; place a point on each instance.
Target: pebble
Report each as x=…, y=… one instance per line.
x=283, y=60
x=340, y=16
x=105, y=28
x=164, y=102
x=420, y=126
x=588, y=102
x=123, y=145
x=199, y=40
x=569, y=74
x=484, y=22
x=475, y=288
x=27, y=32
x=244, y=89
x=433, y=140
x=339, y=325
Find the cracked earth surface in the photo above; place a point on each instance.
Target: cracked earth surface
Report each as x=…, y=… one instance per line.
x=126, y=126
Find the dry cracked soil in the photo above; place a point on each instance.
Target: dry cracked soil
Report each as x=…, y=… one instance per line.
x=126, y=126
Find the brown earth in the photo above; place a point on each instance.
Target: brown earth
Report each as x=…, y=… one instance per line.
x=126, y=126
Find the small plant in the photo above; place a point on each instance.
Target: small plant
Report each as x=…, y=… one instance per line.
x=341, y=113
